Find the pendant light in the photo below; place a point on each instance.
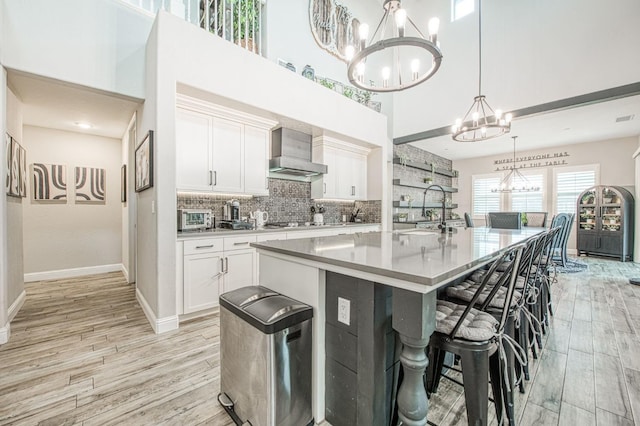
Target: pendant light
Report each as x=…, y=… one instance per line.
x=515, y=181
x=404, y=59
x=480, y=122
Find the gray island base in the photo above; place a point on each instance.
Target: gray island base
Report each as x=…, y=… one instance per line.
x=411, y=266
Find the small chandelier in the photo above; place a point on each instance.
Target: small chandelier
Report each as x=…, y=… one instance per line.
x=515, y=181
x=480, y=122
x=390, y=56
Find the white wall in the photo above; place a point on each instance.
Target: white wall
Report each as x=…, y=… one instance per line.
x=533, y=52
x=615, y=158
x=97, y=43
x=4, y=258
x=15, y=277
x=70, y=236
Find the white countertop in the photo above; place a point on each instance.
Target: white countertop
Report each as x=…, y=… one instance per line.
x=222, y=232
x=427, y=258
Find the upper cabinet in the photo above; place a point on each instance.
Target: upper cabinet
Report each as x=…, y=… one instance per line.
x=220, y=150
x=346, y=177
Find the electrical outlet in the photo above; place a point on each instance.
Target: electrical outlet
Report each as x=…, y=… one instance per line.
x=344, y=311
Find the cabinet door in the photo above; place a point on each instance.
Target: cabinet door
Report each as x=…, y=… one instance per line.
x=359, y=176
x=239, y=269
x=611, y=244
x=256, y=159
x=227, y=163
x=193, y=150
x=202, y=281
x=344, y=180
x=325, y=186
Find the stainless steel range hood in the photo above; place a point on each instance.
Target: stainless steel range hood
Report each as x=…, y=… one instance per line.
x=291, y=154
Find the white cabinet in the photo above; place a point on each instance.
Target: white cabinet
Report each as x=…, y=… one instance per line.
x=203, y=271
x=193, y=150
x=256, y=160
x=346, y=177
x=227, y=165
x=213, y=266
x=220, y=150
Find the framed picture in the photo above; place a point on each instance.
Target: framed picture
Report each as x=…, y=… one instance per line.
x=49, y=182
x=7, y=148
x=90, y=185
x=22, y=166
x=123, y=183
x=144, y=163
x=14, y=174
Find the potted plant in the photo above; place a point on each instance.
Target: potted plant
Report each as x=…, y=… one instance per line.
x=240, y=21
x=523, y=219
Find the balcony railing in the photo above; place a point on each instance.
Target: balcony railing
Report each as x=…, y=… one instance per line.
x=238, y=21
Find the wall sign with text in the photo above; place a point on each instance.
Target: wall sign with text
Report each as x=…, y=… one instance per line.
x=333, y=26
x=532, y=161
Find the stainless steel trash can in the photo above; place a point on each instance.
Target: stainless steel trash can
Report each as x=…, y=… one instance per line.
x=265, y=357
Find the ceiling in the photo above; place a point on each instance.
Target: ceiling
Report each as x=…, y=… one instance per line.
x=57, y=105
x=589, y=123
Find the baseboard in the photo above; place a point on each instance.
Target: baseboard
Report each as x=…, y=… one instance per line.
x=572, y=252
x=4, y=334
x=16, y=305
x=70, y=273
x=125, y=272
x=159, y=325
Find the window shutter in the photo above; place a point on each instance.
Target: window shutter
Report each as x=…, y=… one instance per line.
x=528, y=201
x=485, y=201
x=569, y=185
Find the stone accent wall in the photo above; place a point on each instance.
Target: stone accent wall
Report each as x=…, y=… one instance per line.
x=288, y=201
x=410, y=174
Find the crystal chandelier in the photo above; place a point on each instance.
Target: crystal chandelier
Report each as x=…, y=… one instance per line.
x=480, y=122
x=515, y=181
x=397, y=62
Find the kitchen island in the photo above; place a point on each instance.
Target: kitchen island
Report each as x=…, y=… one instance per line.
x=412, y=265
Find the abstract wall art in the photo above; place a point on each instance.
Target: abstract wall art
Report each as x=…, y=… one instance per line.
x=90, y=185
x=7, y=179
x=22, y=168
x=49, y=182
x=144, y=163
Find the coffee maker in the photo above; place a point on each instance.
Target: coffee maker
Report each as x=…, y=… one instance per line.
x=231, y=216
x=231, y=210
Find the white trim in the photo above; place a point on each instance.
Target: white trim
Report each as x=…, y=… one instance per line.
x=202, y=106
x=72, y=272
x=5, y=333
x=17, y=305
x=125, y=272
x=159, y=325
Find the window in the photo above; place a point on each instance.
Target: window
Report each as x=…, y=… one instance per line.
x=461, y=8
x=569, y=182
x=529, y=201
x=485, y=201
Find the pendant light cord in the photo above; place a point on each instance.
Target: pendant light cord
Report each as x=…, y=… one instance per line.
x=479, y=47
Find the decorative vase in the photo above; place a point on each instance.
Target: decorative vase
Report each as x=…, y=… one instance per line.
x=308, y=72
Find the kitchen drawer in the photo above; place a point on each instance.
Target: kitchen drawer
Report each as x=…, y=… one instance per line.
x=205, y=245
x=239, y=242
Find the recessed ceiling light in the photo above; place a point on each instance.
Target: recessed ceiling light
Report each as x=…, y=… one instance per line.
x=83, y=124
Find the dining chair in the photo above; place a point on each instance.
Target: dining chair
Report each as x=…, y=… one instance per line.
x=478, y=338
x=467, y=220
x=536, y=219
x=505, y=220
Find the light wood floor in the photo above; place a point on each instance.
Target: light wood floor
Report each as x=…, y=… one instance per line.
x=82, y=352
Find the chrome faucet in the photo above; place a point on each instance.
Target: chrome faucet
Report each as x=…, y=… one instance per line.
x=443, y=222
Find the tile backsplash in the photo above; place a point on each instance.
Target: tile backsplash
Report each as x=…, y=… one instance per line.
x=288, y=201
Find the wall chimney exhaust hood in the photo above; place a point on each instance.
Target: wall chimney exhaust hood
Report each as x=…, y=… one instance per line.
x=291, y=154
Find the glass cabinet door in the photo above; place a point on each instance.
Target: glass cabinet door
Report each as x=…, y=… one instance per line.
x=610, y=210
x=587, y=211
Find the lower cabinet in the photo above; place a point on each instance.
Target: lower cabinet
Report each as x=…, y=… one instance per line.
x=202, y=281
x=213, y=266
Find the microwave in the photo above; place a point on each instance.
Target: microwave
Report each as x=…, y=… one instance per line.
x=194, y=219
